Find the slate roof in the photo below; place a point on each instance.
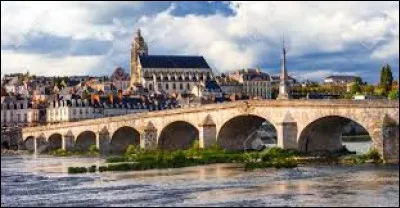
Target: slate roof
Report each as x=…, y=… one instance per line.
x=161, y=61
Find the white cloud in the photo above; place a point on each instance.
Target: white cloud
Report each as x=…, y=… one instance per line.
x=12, y=62
x=63, y=19
x=246, y=39
x=250, y=37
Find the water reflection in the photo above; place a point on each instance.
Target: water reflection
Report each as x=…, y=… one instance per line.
x=42, y=181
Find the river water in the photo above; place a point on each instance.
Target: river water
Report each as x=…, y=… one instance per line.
x=43, y=181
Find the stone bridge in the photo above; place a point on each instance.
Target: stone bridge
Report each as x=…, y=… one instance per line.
x=305, y=125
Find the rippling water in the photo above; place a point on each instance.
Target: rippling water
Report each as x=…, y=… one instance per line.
x=43, y=181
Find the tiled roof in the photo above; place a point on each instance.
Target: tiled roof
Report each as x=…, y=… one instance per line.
x=159, y=61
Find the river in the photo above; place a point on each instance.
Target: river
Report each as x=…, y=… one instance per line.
x=43, y=181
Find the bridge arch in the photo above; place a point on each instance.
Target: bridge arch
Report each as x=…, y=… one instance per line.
x=325, y=133
x=29, y=143
x=84, y=140
x=241, y=132
x=55, y=142
x=122, y=138
x=5, y=141
x=178, y=135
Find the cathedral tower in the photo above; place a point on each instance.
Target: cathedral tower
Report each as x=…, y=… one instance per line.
x=139, y=48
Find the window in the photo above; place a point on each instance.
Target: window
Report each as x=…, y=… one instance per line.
x=181, y=86
x=159, y=86
x=26, y=118
x=74, y=111
x=80, y=111
x=166, y=86
x=174, y=86
x=188, y=86
x=150, y=86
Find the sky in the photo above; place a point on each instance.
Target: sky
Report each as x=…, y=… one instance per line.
x=94, y=38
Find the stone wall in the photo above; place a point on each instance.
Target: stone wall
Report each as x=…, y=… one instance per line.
x=289, y=117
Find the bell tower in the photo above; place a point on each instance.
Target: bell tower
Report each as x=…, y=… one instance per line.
x=138, y=48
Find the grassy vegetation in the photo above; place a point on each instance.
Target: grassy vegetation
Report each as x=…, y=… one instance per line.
x=139, y=159
x=93, y=152
x=75, y=170
x=371, y=156
x=136, y=159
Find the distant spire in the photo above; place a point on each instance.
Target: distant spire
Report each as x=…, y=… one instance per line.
x=283, y=75
x=138, y=32
x=283, y=86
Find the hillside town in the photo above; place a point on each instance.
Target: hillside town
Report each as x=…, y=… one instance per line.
x=159, y=82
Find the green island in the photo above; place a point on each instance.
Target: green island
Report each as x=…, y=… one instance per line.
x=136, y=159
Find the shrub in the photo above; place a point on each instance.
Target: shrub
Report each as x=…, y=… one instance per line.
x=178, y=157
x=251, y=157
x=215, y=147
x=132, y=149
x=75, y=170
x=116, y=159
x=92, y=169
x=93, y=150
x=394, y=94
x=373, y=154
x=60, y=153
x=103, y=168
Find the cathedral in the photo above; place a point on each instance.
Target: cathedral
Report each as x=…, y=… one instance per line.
x=166, y=73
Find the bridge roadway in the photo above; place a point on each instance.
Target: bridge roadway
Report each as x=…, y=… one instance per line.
x=306, y=125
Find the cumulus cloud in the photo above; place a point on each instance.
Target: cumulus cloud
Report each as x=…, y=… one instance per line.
x=252, y=36
x=348, y=36
x=49, y=66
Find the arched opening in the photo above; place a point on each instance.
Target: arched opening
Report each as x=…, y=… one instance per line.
x=55, y=142
x=122, y=138
x=247, y=132
x=5, y=142
x=29, y=144
x=85, y=140
x=331, y=133
x=178, y=135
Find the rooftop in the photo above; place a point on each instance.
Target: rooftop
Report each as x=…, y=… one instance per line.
x=161, y=61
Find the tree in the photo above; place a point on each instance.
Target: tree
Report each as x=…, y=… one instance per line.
x=355, y=88
x=380, y=91
x=358, y=80
x=369, y=90
x=386, y=79
x=394, y=94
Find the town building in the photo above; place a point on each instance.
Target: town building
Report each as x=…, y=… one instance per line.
x=18, y=112
x=339, y=80
x=256, y=84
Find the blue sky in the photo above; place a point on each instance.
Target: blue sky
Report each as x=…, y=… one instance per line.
x=323, y=38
